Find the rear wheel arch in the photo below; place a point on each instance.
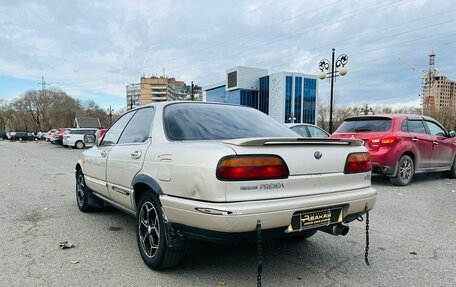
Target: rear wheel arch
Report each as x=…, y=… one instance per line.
x=78, y=168
x=411, y=155
x=143, y=183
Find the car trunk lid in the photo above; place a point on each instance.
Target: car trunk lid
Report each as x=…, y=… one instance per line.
x=315, y=166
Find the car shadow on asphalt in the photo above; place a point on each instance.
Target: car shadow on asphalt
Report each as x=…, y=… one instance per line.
x=420, y=178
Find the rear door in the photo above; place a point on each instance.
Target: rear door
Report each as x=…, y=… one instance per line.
x=421, y=141
x=126, y=158
x=442, y=152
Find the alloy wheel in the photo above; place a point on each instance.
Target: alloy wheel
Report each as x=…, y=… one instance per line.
x=80, y=190
x=149, y=229
x=405, y=170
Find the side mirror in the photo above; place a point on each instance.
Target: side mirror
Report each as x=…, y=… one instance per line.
x=90, y=139
x=452, y=134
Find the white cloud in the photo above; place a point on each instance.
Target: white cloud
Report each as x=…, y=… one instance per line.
x=100, y=46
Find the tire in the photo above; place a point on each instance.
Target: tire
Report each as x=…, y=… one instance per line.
x=405, y=171
x=79, y=145
x=301, y=236
x=453, y=169
x=82, y=193
x=151, y=237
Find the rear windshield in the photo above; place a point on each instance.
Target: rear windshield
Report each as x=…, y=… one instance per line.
x=365, y=125
x=189, y=121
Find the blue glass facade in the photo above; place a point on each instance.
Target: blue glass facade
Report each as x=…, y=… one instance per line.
x=242, y=97
x=263, y=95
x=294, y=93
x=288, y=99
x=298, y=99
x=249, y=98
x=216, y=95
x=310, y=96
x=233, y=97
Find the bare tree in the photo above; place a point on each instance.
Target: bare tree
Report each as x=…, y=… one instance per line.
x=36, y=110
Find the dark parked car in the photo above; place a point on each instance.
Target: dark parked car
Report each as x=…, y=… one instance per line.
x=402, y=145
x=22, y=136
x=3, y=135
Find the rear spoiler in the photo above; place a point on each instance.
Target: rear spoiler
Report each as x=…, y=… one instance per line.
x=292, y=141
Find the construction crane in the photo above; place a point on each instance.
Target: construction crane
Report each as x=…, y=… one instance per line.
x=427, y=77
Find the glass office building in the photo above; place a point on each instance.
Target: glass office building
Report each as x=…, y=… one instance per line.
x=238, y=97
x=285, y=96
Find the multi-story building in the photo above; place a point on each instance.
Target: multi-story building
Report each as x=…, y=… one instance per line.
x=184, y=92
x=133, y=95
x=159, y=89
x=437, y=90
x=443, y=93
x=288, y=97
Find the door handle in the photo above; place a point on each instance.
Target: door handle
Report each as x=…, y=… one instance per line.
x=136, y=154
x=104, y=154
x=415, y=140
x=435, y=143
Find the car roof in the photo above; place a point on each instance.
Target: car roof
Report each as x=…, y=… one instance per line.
x=393, y=116
x=167, y=103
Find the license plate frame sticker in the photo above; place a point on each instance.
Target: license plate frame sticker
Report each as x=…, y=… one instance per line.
x=321, y=217
x=315, y=218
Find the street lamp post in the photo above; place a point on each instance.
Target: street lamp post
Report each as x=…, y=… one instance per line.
x=110, y=110
x=337, y=69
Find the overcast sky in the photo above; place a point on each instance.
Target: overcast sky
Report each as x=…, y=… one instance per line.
x=92, y=49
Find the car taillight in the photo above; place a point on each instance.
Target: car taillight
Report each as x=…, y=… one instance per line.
x=251, y=167
x=388, y=140
x=358, y=162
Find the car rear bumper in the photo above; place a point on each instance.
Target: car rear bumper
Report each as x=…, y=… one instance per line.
x=277, y=213
x=385, y=159
x=383, y=169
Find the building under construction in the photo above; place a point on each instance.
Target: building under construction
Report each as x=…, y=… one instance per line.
x=437, y=90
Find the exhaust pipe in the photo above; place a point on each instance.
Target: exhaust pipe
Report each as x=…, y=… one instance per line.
x=337, y=229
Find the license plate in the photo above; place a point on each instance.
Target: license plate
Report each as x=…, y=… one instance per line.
x=316, y=218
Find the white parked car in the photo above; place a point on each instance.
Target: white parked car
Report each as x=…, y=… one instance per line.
x=221, y=172
x=75, y=138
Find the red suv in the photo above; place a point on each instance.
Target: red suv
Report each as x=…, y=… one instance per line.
x=402, y=145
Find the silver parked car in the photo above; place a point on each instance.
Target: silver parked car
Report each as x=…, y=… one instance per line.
x=308, y=130
x=218, y=172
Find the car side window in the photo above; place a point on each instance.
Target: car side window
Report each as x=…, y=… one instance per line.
x=138, y=129
x=112, y=135
x=416, y=126
x=300, y=130
x=316, y=132
x=404, y=126
x=435, y=129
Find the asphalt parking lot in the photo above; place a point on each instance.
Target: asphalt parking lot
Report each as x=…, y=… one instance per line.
x=413, y=237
